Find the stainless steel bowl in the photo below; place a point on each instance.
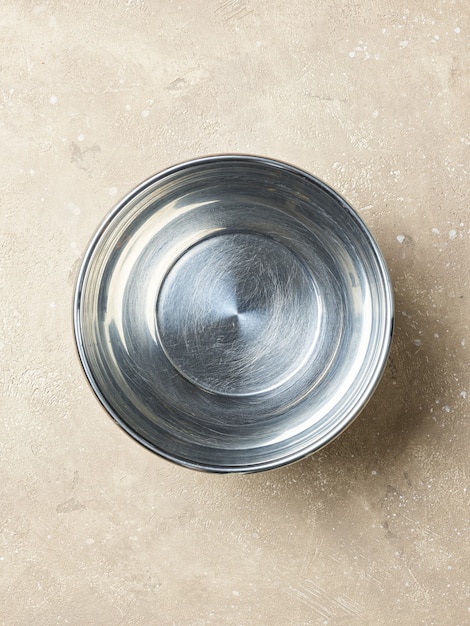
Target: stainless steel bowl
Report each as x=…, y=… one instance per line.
x=233, y=314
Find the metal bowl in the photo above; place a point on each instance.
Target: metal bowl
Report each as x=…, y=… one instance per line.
x=233, y=314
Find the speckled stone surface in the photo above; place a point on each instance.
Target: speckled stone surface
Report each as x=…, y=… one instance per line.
x=371, y=96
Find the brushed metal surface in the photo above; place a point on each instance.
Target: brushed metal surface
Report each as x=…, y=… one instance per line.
x=233, y=313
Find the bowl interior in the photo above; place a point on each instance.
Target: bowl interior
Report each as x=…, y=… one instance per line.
x=233, y=314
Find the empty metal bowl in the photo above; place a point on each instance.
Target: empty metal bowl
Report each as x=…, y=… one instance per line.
x=233, y=314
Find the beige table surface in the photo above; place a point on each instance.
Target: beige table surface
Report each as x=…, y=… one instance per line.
x=373, y=97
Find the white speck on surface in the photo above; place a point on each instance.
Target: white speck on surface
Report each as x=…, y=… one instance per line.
x=145, y=113
x=374, y=472
x=375, y=114
x=352, y=54
x=436, y=231
x=53, y=100
x=112, y=191
x=436, y=37
x=436, y=335
x=235, y=593
x=80, y=137
x=90, y=541
x=128, y=107
x=446, y=408
x=32, y=172
x=457, y=29
x=74, y=208
x=462, y=343
x=463, y=394
x=400, y=238
x=404, y=43
x=417, y=342
x=52, y=305
x=452, y=234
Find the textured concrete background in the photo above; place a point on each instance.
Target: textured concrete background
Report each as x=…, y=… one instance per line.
x=372, y=96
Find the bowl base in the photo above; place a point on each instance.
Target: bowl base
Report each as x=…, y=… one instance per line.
x=237, y=314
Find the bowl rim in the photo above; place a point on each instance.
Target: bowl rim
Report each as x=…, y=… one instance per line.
x=353, y=411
